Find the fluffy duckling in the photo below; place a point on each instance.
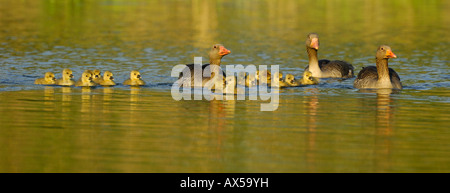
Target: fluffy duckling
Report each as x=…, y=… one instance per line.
x=86, y=71
x=97, y=76
x=249, y=80
x=308, y=78
x=66, y=79
x=230, y=85
x=85, y=80
x=289, y=81
x=108, y=79
x=135, y=79
x=263, y=77
x=49, y=78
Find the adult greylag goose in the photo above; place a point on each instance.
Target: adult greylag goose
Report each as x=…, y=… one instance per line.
x=325, y=68
x=217, y=52
x=380, y=76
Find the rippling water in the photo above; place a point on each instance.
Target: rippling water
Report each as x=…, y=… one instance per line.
x=330, y=127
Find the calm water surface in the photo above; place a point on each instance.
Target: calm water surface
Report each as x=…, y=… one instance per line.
x=330, y=127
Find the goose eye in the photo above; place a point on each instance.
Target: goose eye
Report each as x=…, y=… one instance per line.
x=215, y=46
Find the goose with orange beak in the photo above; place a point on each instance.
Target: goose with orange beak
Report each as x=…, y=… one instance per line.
x=379, y=76
x=217, y=52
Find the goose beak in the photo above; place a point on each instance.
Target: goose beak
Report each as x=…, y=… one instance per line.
x=314, y=43
x=223, y=51
x=390, y=54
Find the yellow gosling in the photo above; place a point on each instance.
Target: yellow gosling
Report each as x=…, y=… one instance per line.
x=135, y=79
x=308, y=79
x=108, y=79
x=97, y=76
x=49, y=79
x=66, y=79
x=85, y=80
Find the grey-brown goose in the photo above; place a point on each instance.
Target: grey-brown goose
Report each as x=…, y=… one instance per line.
x=380, y=76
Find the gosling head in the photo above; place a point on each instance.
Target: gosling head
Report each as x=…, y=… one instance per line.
x=86, y=77
x=290, y=79
x=96, y=74
x=108, y=76
x=135, y=75
x=67, y=74
x=49, y=77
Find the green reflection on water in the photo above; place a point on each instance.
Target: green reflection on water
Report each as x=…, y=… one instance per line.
x=324, y=128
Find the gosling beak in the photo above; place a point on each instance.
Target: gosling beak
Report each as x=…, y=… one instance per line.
x=71, y=75
x=139, y=76
x=390, y=54
x=112, y=78
x=314, y=43
x=223, y=51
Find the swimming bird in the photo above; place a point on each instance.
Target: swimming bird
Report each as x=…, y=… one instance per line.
x=66, y=79
x=230, y=85
x=380, y=76
x=135, y=79
x=86, y=71
x=288, y=81
x=325, y=68
x=49, y=79
x=96, y=76
x=264, y=77
x=217, y=52
x=85, y=80
x=108, y=79
x=307, y=79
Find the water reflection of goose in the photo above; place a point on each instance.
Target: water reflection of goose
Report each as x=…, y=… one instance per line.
x=325, y=68
x=312, y=105
x=384, y=119
x=384, y=108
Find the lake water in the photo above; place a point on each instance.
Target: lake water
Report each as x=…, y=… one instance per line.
x=330, y=127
